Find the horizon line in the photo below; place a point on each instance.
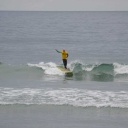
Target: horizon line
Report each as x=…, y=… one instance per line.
x=66, y=10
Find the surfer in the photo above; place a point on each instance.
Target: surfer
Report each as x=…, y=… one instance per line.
x=64, y=57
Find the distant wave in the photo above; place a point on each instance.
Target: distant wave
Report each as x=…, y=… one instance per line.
x=81, y=71
x=63, y=96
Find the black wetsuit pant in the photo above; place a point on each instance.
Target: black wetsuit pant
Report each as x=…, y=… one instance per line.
x=65, y=63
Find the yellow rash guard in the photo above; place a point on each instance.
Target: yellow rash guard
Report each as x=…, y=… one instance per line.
x=64, y=54
x=64, y=57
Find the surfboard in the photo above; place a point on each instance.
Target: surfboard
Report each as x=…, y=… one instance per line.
x=66, y=71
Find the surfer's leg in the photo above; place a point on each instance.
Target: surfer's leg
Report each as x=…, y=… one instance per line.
x=65, y=63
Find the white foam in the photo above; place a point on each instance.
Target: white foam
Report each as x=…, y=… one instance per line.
x=89, y=68
x=64, y=96
x=120, y=68
x=49, y=68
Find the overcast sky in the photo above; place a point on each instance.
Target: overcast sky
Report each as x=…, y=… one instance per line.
x=64, y=5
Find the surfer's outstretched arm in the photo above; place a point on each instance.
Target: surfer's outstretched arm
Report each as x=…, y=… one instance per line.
x=57, y=51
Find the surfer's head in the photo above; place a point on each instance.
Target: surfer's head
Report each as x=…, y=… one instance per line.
x=63, y=50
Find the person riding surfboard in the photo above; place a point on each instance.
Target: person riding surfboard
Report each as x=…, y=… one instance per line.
x=65, y=55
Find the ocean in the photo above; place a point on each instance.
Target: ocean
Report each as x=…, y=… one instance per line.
x=34, y=93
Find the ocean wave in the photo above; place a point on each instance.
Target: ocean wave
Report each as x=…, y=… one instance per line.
x=100, y=72
x=64, y=96
x=81, y=71
x=77, y=66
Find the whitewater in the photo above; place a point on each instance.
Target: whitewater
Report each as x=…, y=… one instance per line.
x=62, y=96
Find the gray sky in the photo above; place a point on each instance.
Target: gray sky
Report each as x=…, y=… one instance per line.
x=64, y=5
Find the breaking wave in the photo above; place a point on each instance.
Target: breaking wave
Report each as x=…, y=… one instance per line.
x=81, y=71
x=91, y=72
